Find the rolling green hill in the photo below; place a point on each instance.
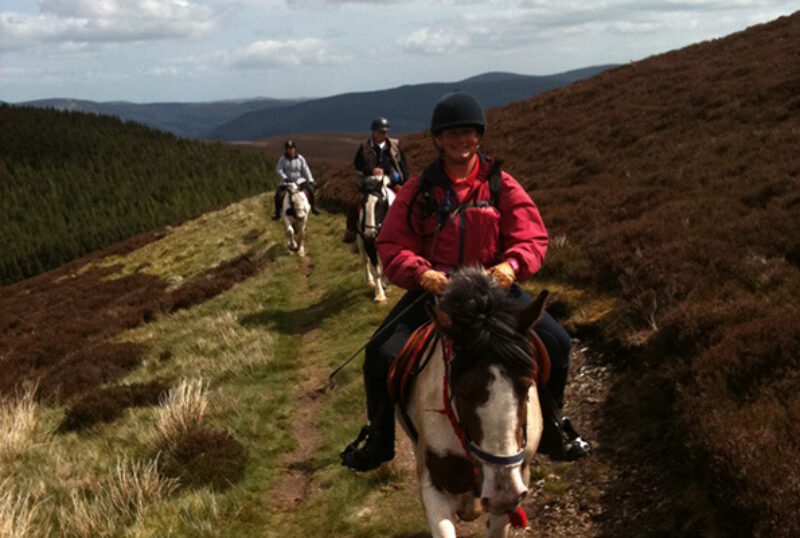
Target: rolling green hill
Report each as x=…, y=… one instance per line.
x=72, y=183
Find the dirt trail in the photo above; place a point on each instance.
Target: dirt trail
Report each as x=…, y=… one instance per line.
x=566, y=502
x=292, y=488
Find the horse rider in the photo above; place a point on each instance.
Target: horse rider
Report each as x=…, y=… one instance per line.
x=293, y=168
x=376, y=156
x=462, y=210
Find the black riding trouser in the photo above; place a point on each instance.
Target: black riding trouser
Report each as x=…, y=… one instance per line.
x=382, y=349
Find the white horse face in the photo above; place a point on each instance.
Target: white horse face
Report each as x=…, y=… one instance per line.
x=493, y=409
x=378, y=199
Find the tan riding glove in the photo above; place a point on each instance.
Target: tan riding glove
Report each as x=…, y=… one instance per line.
x=503, y=274
x=433, y=281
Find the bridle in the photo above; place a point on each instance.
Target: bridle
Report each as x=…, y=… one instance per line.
x=470, y=448
x=380, y=194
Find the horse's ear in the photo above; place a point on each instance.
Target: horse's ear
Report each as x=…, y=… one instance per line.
x=441, y=318
x=532, y=313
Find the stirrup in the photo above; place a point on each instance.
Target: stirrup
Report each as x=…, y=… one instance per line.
x=575, y=447
x=366, y=457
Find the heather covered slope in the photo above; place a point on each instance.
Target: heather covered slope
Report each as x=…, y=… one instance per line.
x=674, y=184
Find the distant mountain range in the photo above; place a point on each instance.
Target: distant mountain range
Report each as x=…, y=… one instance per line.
x=187, y=120
x=407, y=107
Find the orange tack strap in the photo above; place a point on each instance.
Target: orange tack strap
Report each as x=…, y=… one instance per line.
x=405, y=361
x=542, y=357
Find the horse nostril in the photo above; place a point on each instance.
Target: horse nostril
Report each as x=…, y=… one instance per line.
x=523, y=495
x=485, y=503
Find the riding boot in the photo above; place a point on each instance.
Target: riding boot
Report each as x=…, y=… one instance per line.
x=352, y=220
x=310, y=193
x=559, y=439
x=377, y=438
x=276, y=215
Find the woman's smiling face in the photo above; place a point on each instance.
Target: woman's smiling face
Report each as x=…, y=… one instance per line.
x=459, y=144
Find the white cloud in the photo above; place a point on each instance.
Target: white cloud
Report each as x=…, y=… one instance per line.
x=294, y=52
x=64, y=22
x=435, y=42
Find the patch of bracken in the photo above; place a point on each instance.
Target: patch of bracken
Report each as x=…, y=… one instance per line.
x=89, y=367
x=214, y=281
x=106, y=404
x=54, y=327
x=252, y=235
x=206, y=458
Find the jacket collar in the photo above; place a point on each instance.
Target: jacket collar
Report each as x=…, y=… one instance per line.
x=436, y=175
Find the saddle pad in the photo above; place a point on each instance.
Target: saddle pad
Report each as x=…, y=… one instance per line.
x=542, y=358
x=404, y=362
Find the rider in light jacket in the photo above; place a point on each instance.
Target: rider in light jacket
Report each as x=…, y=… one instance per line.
x=293, y=168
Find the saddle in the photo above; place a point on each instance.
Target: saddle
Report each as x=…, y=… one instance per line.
x=409, y=362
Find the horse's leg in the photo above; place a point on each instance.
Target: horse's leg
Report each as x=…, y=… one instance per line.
x=380, y=293
x=290, y=236
x=301, y=238
x=384, y=280
x=497, y=526
x=439, y=509
x=362, y=250
x=469, y=508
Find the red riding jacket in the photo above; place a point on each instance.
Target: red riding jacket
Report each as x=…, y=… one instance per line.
x=472, y=232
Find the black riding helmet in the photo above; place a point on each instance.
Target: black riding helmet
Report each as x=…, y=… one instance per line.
x=380, y=124
x=457, y=109
x=289, y=144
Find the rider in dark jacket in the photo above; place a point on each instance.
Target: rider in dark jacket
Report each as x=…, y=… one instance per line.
x=454, y=220
x=377, y=155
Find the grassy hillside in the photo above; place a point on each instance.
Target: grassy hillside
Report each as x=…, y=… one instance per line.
x=235, y=371
x=673, y=184
x=72, y=183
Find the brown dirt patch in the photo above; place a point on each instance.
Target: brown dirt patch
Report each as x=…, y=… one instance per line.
x=292, y=488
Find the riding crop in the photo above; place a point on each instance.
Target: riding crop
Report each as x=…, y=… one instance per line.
x=374, y=336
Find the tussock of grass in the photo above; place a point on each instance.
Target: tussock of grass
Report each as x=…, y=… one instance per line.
x=180, y=413
x=17, y=513
x=123, y=499
x=18, y=419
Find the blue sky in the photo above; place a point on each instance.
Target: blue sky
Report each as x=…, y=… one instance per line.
x=206, y=50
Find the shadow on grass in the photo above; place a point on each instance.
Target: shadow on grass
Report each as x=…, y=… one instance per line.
x=303, y=320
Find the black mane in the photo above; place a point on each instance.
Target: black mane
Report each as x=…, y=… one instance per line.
x=484, y=323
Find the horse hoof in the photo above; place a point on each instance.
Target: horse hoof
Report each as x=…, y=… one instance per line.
x=380, y=300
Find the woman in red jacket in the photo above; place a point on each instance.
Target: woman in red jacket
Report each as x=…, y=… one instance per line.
x=462, y=210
